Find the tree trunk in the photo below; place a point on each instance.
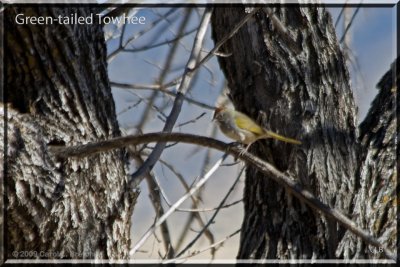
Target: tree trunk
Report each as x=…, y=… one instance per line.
x=58, y=93
x=294, y=81
x=376, y=202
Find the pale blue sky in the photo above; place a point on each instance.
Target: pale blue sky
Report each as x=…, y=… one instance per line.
x=373, y=42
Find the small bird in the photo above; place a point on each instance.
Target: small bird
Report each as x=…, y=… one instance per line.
x=240, y=127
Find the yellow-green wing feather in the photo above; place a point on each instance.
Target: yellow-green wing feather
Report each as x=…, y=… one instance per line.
x=246, y=123
x=282, y=138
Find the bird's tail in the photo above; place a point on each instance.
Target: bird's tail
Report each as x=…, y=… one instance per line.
x=281, y=138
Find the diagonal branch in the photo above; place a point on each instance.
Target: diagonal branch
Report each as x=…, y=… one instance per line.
x=162, y=88
x=211, y=220
x=201, y=182
x=156, y=202
x=148, y=165
x=214, y=51
x=212, y=246
x=194, y=212
x=349, y=24
x=194, y=215
x=122, y=46
x=285, y=180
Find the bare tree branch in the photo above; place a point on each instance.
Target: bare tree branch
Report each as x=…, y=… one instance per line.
x=172, y=40
x=194, y=212
x=177, y=204
x=165, y=69
x=226, y=38
x=162, y=88
x=211, y=220
x=349, y=24
x=118, y=11
x=211, y=209
x=151, y=105
x=154, y=190
x=186, y=227
x=214, y=245
x=182, y=181
x=191, y=121
x=340, y=15
x=283, y=179
x=121, y=47
x=137, y=177
x=130, y=107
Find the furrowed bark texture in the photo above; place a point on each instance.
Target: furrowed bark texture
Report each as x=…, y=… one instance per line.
x=304, y=95
x=376, y=202
x=58, y=93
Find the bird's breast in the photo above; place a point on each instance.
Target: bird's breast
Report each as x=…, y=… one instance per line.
x=236, y=133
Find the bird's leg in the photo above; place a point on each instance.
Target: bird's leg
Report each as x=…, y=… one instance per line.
x=243, y=150
x=246, y=149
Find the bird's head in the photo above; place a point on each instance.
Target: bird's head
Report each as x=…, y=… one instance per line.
x=217, y=112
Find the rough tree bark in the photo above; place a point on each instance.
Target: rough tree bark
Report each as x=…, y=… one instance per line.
x=58, y=93
x=293, y=79
x=376, y=201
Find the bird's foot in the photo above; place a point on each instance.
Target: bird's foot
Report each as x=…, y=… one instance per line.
x=245, y=150
x=236, y=145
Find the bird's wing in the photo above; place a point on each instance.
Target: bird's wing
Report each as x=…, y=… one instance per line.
x=246, y=123
x=282, y=138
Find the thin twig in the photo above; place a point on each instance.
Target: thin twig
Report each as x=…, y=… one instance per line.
x=180, y=178
x=350, y=23
x=112, y=55
x=118, y=11
x=187, y=188
x=164, y=70
x=340, y=14
x=144, y=86
x=156, y=201
x=130, y=107
x=211, y=220
x=189, y=220
x=148, y=47
x=145, y=115
x=174, y=48
x=357, y=69
x=151, y=105
x=163, y=87
x=211, y=209
x=191, y=121
x=177, y=204
x=196, y=214
x=225, y=38
x=282, y=179
x=166, y=26
x=216, y=244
